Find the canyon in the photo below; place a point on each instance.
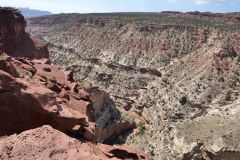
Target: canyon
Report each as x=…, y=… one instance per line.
x=175, y=75
x=165, y=83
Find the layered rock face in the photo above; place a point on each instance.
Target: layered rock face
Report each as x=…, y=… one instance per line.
x=13, y=38
x=45, y=114
x=175, y=75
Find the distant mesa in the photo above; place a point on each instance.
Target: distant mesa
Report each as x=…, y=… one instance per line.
x=30, y=13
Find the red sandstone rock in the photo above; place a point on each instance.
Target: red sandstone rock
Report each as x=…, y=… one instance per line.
x=26, y=104
x=13, y=38
x=8, y=66
x=48, y=143
x=64, y=94
x=73, y=87
x=83, y=107
x=69, y=75
x=54, y=87
x=84, y=95
x=29, y=100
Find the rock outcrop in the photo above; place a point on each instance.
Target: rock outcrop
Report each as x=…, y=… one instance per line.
x=13, y=38
x=48, y=143
x=34, y=93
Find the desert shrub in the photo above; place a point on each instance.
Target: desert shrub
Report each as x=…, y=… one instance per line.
x=30, y=75
x=141, y=128
x=3, y=54
x=209, y=98
x=228, y=96
x=183, y=100
x=20, y=74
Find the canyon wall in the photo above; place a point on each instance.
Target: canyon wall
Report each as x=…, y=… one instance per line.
x=13, y=38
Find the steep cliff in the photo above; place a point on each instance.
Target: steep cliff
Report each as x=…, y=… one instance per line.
x=13, y=38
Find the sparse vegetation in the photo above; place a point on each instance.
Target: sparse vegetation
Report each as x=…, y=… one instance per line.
x=183, y=100
x=209, y=98
x=141, y=128
x=3, y=54
x=30, y=75
x=228, y=96
x=20, y=74
x=46, y=80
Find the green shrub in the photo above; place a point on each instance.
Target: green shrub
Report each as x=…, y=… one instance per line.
x=228, y=96
x=183, y=100
x=141, y=128
x=30, y=75
x=209, y=98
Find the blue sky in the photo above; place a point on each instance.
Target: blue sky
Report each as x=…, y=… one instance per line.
x=90, y=6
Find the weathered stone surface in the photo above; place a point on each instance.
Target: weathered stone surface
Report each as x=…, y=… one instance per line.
x=48, y=143
x=27, y=104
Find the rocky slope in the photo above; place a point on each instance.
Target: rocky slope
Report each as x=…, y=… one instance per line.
x=175, y=75
x=45, y=114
